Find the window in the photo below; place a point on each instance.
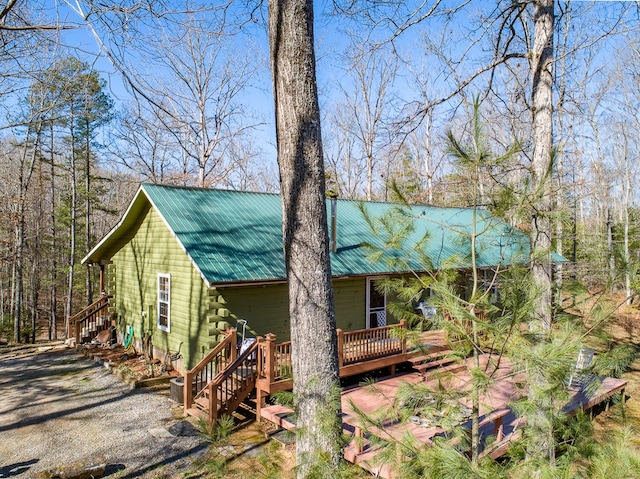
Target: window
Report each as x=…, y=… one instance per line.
x=164, y=301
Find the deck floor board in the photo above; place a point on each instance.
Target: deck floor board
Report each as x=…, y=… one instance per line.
x=373, y=399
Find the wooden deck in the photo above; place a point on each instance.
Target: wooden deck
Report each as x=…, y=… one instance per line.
x=497, y=419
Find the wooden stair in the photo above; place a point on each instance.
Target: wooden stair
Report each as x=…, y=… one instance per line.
x=233, y=383
x=434, y=357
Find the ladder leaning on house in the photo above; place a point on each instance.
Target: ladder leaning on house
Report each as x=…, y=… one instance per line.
x=221, y=381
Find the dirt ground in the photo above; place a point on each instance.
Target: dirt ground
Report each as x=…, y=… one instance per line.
x=58, y=407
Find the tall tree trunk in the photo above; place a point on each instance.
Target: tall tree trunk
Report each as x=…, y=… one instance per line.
x=542, y=446
x=72, y=228
x=26, y=170
x=369, y=177
x=611, y=265
x=87, y=203
x=19, y=263
x=306, y=246
x=625, y=212
x=541, y=167
x=428, y=160
x=53, y=326
x=35, y=290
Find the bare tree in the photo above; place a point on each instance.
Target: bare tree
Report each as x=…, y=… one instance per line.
x=369, y=105
x=145, y=147
x=347, y=169
x=201, y=94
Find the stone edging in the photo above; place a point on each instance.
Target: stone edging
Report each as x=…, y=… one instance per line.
x=134, y=383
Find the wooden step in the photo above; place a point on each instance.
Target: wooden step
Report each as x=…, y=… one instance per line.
x=451, y=368
x=197, y=413
x=201, y=403
x=366, y=460
x=281, y=416
x=430, y=356
x=433, y=364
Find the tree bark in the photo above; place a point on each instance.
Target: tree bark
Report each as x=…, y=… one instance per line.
x=53, y=326
x=87, y=206
x=541, y=167
x=306, y=246
x=542, y=446
x=73, y=223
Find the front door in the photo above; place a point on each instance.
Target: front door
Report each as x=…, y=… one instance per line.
x=376, y=306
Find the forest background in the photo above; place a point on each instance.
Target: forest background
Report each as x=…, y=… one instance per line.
x=97, y=97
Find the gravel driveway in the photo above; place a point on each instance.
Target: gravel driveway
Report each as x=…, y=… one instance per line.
x=58, y=407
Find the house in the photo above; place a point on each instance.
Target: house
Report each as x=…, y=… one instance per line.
x=182, y=263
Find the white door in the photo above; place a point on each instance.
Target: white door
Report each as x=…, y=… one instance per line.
x=376, y=306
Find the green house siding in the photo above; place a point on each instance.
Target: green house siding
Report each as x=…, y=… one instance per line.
x=349, y=296
x=266, y=307
x=150, y=251
x=198, y=313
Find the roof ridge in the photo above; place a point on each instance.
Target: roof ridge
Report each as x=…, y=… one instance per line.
x=205, y=189
x=342, y=200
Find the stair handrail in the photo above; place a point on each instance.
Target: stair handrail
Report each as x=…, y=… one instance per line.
x=217, y=382
x=86, y=313
x=230, y=369
x=229, y=341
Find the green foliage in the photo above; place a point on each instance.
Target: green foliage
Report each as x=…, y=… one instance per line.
x=271, y=461
x=473, y=158
x=615, y=361
x=479, y=322
x=284, y=398
x=218, y=432
x=618, y=458
x=443, y=459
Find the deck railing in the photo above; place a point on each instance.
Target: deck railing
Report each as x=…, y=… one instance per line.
x=358, y=351
x=90, y=321
x=201, y=375
x=366, y=344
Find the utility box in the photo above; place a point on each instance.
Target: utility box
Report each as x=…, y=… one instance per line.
x=176, y=390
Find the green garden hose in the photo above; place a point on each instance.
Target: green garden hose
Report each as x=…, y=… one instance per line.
x=128, y=338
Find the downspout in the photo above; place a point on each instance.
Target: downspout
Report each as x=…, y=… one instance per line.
x=334, y=221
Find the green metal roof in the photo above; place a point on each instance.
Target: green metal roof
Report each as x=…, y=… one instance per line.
x=234, y=236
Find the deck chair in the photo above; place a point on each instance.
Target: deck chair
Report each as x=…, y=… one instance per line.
x=580, y=376
x=427, y=309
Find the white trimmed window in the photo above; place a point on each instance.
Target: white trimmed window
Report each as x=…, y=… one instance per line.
x=164, y=301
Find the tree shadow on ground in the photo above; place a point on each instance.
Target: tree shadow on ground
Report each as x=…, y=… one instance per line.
x=17, y=468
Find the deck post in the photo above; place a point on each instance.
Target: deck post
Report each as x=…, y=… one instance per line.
x=187, y=390
x=359, y=438
x=403, y=326
x=233, y=345
x=340, y=335
x=260, y=394
x=77, y=327
x=269, y=369
x=213, y=403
